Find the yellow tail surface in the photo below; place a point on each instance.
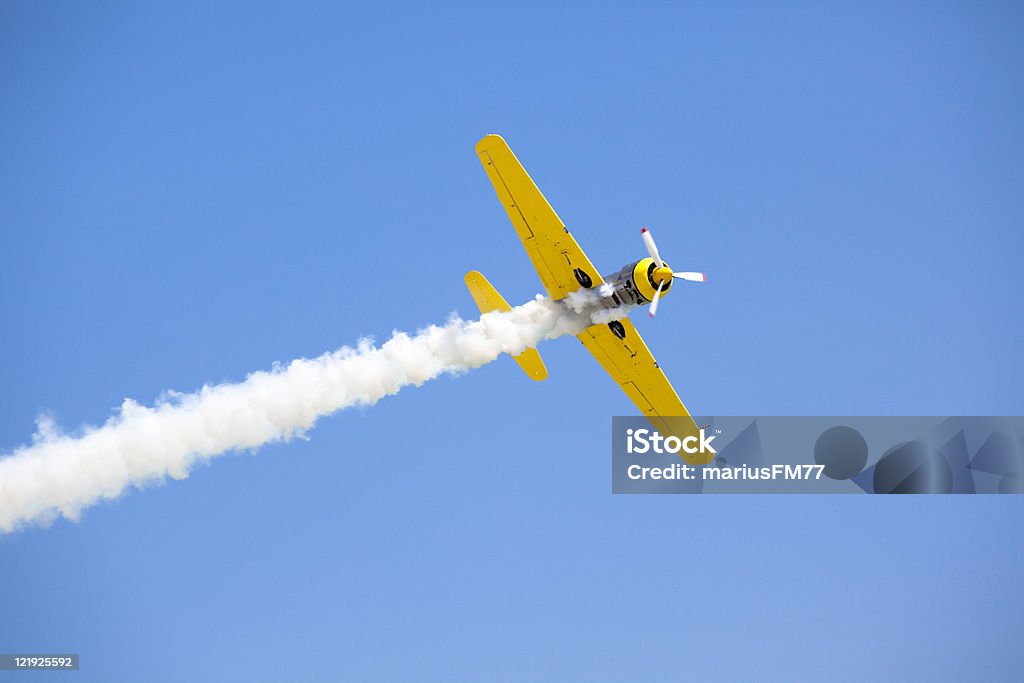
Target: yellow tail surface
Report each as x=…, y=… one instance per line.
x=488, y=299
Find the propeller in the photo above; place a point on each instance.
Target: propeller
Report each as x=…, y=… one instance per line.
x=662, y=274
x=654, y=302
x=691, y=277
x=652, y=248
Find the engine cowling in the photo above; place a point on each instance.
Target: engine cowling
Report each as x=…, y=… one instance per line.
x=637, y=282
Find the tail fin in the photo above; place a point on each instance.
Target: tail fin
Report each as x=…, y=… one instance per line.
x=488, y=299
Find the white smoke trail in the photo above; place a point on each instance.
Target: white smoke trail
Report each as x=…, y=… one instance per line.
x=61, y=475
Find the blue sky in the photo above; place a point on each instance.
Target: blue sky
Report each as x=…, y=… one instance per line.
x=191, y=193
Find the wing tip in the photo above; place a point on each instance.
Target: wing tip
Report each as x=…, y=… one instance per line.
x=490, y=141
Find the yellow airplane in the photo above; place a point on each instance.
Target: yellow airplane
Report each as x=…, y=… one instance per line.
x=564, y=268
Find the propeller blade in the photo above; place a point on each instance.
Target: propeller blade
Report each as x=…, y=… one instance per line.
x=652, y=248
x=691, y=277
x=654, y=302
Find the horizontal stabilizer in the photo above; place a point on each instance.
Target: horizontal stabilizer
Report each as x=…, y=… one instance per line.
x=487, y=299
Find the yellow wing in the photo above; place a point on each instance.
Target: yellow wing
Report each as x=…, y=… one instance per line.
x=630, y=363
x=560, y=263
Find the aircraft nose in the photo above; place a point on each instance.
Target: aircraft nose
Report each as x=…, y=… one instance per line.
x=662, y=276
